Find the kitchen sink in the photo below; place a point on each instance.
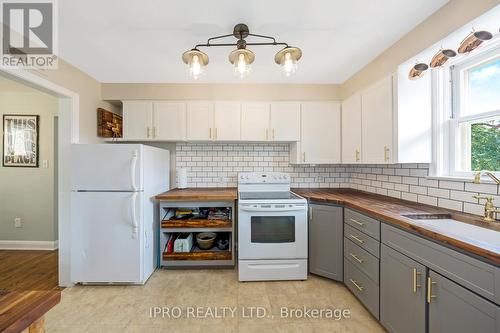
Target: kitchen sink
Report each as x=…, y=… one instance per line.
x=446, y=225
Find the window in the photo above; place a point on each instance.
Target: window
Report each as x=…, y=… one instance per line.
x=474, y=132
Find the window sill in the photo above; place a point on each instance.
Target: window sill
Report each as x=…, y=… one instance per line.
x=461, y=179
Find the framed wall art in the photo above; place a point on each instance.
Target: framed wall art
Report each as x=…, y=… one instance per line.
x=20, y=140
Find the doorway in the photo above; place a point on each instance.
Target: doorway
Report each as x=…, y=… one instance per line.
x=66, y=126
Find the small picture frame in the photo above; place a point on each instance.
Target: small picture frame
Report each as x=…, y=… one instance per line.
x=20, y=140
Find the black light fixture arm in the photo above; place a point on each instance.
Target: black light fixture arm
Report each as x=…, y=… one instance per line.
x=241, y=32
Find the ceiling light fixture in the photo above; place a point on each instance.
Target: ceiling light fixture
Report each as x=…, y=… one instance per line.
x=242, y=58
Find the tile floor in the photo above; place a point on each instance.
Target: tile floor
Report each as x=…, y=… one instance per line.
x=128, y=308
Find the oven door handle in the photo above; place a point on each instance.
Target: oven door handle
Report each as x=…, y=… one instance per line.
x=256, y=209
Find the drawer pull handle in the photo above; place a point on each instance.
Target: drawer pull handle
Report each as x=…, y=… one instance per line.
x=430, y=296
x=357, y=239
x=357, y=222
x=360, y=288
x=415, y=283
x=357, y=258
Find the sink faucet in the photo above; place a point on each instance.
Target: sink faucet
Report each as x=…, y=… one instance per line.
x=477, y=177
x=489, y=209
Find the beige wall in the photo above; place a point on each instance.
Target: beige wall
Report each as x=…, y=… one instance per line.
x=89, y=91
x=443, y=22
x=28, y=193
x=122, y=91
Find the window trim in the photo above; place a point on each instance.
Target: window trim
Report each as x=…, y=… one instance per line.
x=446, y=102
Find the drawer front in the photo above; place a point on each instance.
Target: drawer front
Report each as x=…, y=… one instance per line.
x=362, y=287
x=363, y=260
x=361, y=239
x=368, y=225
x=473, y=274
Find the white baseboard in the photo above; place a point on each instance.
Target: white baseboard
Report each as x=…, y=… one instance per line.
x=28, y=245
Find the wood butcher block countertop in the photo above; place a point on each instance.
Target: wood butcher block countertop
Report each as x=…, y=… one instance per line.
x=200, y=194
x=392, y=210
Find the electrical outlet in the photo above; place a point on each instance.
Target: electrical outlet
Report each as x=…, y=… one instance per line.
x=45, y=164
x=18, y=223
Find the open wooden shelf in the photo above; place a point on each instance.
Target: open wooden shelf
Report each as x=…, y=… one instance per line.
x=198, y=254
x=196, y=223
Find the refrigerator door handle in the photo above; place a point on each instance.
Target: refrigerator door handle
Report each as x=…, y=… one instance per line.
x=132, y=170
x=135, y=225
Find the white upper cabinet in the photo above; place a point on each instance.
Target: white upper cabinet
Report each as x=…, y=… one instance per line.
x=351, y=130
x=169, y=121
x=377, y=122
x=255, y=122
x=227, y=121
x=200, y=119
x=137, y=120
x=285, y=121
x=397, y=120
x=320, y=134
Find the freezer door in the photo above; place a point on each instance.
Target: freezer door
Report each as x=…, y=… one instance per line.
x=107, y=245
x=107, y=167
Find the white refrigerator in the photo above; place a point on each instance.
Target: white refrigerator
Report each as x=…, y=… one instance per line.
x=114, y=217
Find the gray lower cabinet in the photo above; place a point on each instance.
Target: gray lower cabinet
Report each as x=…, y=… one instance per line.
x=325, y=241
x=402, y=292
x=454, y=309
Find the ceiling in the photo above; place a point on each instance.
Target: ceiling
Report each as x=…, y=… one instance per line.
x=142, y=41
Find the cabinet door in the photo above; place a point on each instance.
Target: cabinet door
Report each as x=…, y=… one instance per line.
x=169, y=121
x=285, y=121
x=227, y=121
x=377, y=122
x=200, y=121
x=454, y=309
x=325, y=241
x=402, y=292
x=255, y=121
x=320, y=137
x=137, y=120
x=351, y=130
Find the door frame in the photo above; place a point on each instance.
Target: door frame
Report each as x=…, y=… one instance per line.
x=68, y=112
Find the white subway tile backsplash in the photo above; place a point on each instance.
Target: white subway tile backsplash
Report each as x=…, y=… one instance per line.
x=217, y=165
x=451, y=185
x=450, y=204
x=427, y=200
x=482, y=188
x=418, y=189
x=438, y=192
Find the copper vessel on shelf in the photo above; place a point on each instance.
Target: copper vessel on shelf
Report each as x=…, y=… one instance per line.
x=473, y=40
x=442, y=57
x=418, y=71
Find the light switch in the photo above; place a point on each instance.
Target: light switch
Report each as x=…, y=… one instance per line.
x=18, y=223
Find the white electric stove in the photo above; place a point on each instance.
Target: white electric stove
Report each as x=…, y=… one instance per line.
x=272, y=228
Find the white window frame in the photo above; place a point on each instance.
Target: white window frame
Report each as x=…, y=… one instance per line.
x=447, y=101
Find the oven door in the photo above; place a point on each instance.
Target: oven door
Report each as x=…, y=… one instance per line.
x=272, y=231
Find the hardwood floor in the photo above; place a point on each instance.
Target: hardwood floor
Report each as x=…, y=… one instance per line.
x=28, y=287
x=28, y=270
